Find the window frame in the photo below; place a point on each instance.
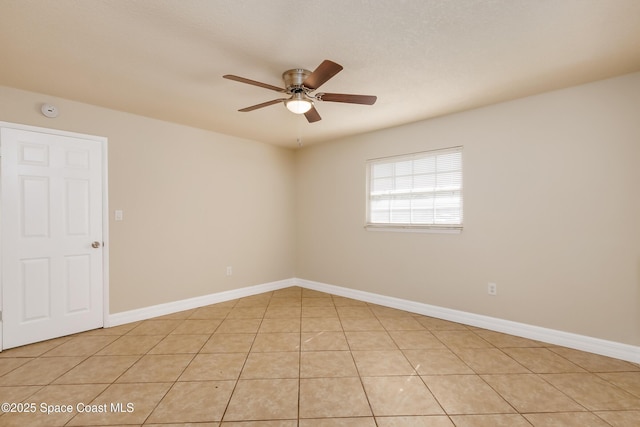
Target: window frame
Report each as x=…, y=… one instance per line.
x=414, y=227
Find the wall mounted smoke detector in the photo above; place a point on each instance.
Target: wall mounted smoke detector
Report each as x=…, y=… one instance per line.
x=49, y=110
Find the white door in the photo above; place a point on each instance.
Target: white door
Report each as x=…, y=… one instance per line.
x=51, y=228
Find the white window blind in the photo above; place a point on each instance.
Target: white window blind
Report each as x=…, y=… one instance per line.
x=421, y=190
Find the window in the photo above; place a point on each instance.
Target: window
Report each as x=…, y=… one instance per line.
x=416, y=191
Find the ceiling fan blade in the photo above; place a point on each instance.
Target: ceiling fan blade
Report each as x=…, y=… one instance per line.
x=350, y=99
x=252, y=82
x=312, y=115
x=320, y=75
x=264, y=104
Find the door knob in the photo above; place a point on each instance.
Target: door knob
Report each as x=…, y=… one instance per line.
x=95, y=245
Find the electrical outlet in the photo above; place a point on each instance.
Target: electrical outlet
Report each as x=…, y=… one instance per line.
x=229, y=271
x=492, y=289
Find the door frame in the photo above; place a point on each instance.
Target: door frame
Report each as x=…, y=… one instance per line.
x=105, y=212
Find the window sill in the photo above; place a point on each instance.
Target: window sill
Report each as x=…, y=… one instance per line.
x=414, y=228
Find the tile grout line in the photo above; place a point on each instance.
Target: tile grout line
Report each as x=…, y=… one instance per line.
x=237, y=381
x=364, y=390
x=299, y=361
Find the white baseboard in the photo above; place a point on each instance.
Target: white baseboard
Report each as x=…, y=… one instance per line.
x=579, y=342
x=190, y=303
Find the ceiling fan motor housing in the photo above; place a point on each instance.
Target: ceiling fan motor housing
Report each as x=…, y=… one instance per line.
x=294, y=78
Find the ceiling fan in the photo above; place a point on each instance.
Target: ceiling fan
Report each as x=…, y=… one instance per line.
x=299, y=84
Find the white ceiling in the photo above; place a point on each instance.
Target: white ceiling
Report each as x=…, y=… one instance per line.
x=422, y=58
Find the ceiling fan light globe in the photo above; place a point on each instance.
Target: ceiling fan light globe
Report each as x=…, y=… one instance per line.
x=298, y=106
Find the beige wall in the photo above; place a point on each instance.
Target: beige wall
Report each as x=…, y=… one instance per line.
x=552, y=213
x=551, y=209
x=194, y=203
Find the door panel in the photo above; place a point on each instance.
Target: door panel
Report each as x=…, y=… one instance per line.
x=34, y=206
x=52, y=277
x=35, y=285
x=77, y=210
x=78, y=274
x=32, y=154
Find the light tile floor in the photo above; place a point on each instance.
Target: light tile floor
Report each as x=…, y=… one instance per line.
x=297, y=357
